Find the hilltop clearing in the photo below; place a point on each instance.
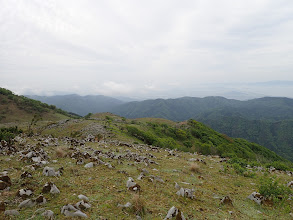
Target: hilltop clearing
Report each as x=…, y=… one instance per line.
x=106, y=168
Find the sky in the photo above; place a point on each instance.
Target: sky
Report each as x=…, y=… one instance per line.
x=131, y=48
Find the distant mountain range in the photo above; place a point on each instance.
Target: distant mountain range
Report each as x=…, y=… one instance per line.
x=80, y=105
x=267, y=121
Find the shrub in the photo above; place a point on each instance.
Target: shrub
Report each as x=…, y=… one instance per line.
x=278, y=165
x=238, y=169
x=271, y=189
x=187, y=144
x=88, y=116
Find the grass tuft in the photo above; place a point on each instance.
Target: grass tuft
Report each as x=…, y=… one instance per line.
x=194, y=167
x=60, y=152
x=138, y=205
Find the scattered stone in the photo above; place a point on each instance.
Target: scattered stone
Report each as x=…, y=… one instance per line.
x=174, y=213
x=141, y=176
x=83, y=197
x=89, y=165
x=26, y=174
x=24, y=193
x=131, y=185
x=70, y=211
x=48, y=214
x=257, y=197
x=50, y=171
x=290, y=184
x=127, y=205
x=28, y=203
x=156, y=179
x=80, y=161
x=11, y=212
x=82, y=205
x=184, y=192
x=50, y=187
x=226, y=201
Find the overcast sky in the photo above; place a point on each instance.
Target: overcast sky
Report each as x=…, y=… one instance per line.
x=139, y=48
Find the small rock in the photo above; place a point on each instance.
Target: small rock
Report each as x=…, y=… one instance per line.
x=71, y=211
x=50, y=187
x=83, y=197
x=89, y=165
x=257, y=197
x=26, y=174
x=11, y=212
x=28, y=203
x=82, y=205
x=127, y=205
x=174, y=212
x=48, y=214
x=24, y=193
x=184, y=192
x=49, y=171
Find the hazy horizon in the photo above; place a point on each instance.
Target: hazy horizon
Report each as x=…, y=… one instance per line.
x=149, y=49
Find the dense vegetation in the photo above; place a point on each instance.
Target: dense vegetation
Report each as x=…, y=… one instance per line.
x=268, y=108
x=266, y=121
x=275, y=135
x=7, y=134
x=193, y=136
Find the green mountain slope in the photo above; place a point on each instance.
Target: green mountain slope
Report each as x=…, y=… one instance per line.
x=14, y=108
x=266, y=121
x=267, y=108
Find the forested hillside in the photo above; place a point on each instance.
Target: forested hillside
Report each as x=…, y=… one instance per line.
x=266, y=121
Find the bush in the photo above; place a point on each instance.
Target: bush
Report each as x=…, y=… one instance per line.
x=271, y=189
x=238, y=169
x=8, y=134
x=278, y=165
x=88, y=116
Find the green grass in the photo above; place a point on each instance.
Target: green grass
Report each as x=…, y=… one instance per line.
x=106, y=187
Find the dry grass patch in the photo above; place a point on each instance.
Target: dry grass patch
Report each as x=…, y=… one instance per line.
x=194, y=167
x=138, y=205
x=60, y=152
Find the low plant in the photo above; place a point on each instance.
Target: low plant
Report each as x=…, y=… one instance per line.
x=194, y=167
x=270, y=188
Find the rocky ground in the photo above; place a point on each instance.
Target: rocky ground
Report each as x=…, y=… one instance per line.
x=109, y=178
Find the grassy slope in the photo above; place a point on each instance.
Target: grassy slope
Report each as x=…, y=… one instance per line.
x=105, y=187
x=16, y=109
x=266, y=121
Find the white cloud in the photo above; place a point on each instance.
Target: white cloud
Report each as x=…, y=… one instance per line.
x=113, y=47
